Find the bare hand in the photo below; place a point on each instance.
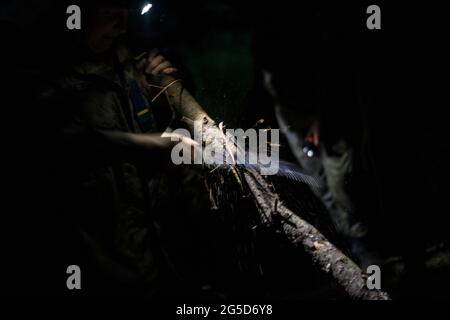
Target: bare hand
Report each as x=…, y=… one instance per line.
x=153, y=64
x=165, y=143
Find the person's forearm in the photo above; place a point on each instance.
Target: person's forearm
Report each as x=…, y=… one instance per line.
x=107, y=147
x=133, y=141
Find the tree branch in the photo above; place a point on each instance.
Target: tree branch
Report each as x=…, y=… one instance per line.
x=302, y=234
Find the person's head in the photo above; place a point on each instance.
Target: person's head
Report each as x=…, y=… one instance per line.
x=106, y=22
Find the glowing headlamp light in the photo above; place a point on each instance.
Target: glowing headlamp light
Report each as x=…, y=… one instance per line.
x=146, y=8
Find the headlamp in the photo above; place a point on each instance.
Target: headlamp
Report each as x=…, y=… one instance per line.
x=146, y=8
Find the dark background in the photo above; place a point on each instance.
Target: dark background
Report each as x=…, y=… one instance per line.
x=399, y=78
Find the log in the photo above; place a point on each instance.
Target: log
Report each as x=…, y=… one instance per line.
x=324, y=254
x=182, y=102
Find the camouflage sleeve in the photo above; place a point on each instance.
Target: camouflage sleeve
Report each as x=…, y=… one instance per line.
x=64, y=130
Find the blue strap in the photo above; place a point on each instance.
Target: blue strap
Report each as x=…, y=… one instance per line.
x=140, y=106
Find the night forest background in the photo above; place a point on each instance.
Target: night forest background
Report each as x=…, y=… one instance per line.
x=397, y=108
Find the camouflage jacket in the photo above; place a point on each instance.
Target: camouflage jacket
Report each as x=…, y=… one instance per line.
x=112, y=202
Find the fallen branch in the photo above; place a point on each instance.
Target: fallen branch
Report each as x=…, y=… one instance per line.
x=302, y=234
